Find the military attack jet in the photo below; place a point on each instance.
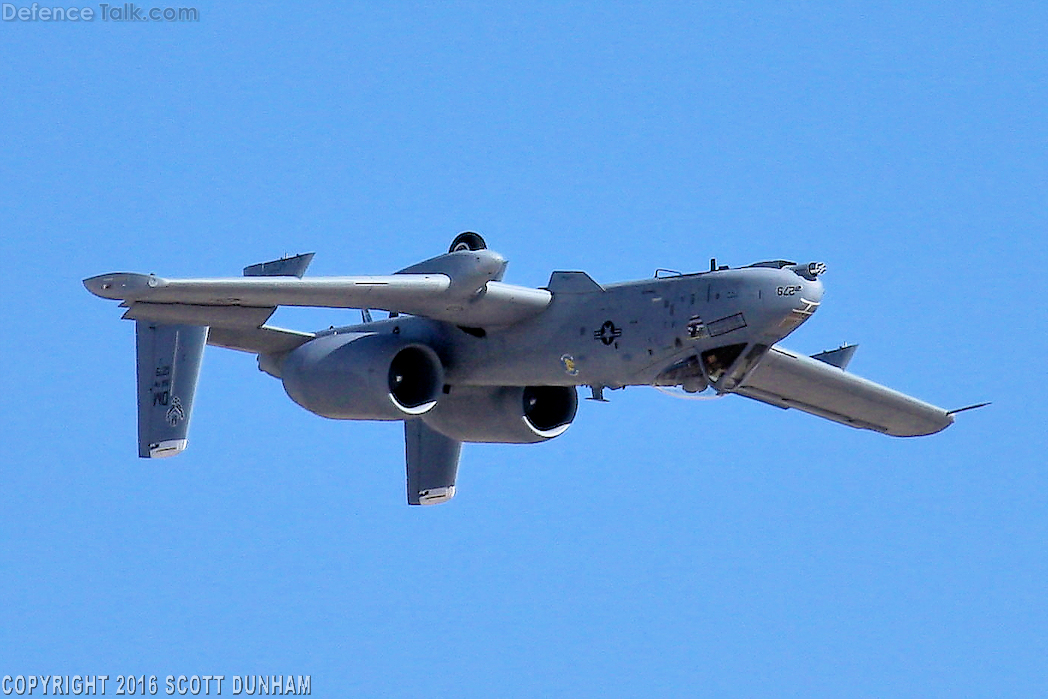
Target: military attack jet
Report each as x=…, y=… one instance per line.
x=466, y=357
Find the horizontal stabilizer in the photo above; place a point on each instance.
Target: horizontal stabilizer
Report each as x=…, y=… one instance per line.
x=284, y=267
x=264, y=340
x=839, y=357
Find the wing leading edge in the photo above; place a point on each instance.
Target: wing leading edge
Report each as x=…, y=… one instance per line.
x=790, y=380
x=436, y=296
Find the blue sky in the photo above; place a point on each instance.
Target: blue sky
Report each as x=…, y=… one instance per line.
x=660, y=547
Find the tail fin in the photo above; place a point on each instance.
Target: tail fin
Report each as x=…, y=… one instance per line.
x=432, y=464
x=168, y=368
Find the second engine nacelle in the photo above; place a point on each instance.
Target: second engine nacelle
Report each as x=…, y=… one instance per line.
x=506, y=414
x=363, y=376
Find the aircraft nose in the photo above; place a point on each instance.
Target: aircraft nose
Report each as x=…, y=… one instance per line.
x=801, y=296
x=492, y=263
x=807, y=300
x=812, y=291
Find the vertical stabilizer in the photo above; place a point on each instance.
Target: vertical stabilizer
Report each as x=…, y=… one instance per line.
x=168, y=367
x=432, y=464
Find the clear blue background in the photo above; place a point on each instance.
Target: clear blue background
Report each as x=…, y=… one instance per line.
x=660, y=548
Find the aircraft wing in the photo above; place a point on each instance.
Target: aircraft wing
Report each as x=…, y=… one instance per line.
x=789, y=380
x=248, y=301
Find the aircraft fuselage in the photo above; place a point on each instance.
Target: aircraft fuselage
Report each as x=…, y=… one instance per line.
x=624, y=334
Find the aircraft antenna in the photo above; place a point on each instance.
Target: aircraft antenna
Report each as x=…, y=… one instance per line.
x=967, y=407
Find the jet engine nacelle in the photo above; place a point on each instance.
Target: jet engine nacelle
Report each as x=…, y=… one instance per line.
x=506, y=414
x=363, y=376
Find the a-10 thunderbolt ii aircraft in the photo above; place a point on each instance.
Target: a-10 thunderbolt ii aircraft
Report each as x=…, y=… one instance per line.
x=465, y=357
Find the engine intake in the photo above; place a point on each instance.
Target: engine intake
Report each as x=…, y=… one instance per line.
x=363, y=376
x=504, y=414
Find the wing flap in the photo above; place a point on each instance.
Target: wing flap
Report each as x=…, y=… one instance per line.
x=790, y=380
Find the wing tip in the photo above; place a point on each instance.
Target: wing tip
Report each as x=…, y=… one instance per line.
x=118, y=286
